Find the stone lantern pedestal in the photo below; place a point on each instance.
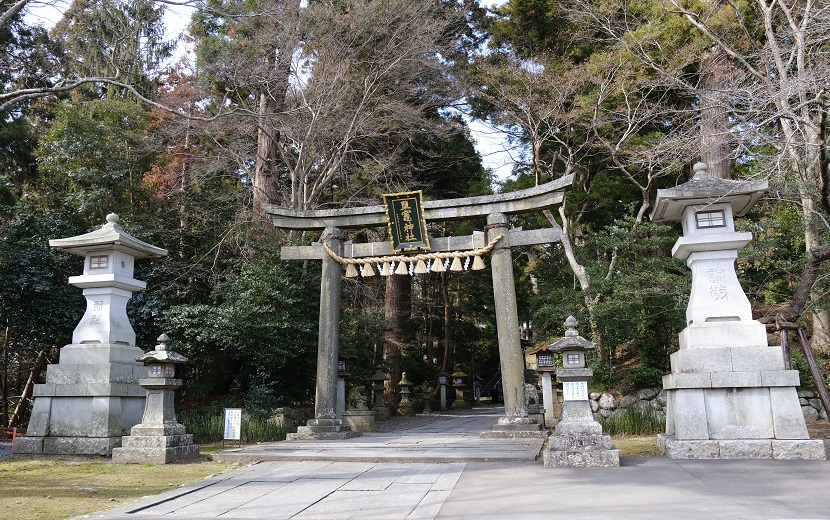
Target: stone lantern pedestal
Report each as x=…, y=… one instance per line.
x=729, y=396
x=91, y=398
x=158, y=438
x=578, y=440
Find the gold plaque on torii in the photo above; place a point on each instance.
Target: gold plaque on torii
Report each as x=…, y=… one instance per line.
x=405, y=218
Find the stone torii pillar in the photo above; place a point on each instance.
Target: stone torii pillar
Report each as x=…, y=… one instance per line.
x=497, y=209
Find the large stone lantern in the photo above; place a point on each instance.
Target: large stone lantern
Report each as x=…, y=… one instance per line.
x=729, y=396
x=91, y=397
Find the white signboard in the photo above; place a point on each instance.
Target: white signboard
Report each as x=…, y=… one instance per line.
x=575, y=390
x=233, y=424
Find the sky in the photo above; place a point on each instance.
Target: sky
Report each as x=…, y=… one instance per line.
x=496, y=153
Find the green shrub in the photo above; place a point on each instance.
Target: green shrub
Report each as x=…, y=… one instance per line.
x=208, y=426
x=634, y=421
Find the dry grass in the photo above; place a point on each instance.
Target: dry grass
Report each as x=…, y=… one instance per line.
x=35, y=487
x=636, y=445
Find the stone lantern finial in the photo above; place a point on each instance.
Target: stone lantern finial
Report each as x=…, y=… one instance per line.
x=163, y=340
x=570, y=326
x=701, y=171
x=113, y=218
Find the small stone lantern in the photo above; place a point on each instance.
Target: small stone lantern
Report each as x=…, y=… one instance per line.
x=477, y=389
x=459, y=382
x=578, y=440
x=379, y=408
x=158, y=438
x=426, y=394
x=443, y=381
x=546, y=368
x=405, y=406
x=343, y=373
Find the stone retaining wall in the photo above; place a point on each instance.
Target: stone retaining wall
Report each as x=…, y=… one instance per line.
x=605, y=404
x=811, y=406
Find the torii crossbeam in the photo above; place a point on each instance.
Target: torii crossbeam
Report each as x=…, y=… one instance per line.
x=327, y=423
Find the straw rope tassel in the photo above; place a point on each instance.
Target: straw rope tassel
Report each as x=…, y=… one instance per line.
x=478, y=263
x=401, y=269
x=416, y=264
x=351, y=271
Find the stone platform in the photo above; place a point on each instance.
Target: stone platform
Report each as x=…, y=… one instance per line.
x=778, y=449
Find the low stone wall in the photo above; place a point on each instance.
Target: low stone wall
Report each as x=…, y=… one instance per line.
x=606, y=404
x=811, y=406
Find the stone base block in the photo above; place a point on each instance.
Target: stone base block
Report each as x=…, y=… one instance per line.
x=582, y=459
x=359, y=421
x=322, y=433
x=460, y=405
x=579, y=442
x=157, y=430
x=66, y=445
x=515, y=434
x=807, y=449
x=578, y=428
x=724, y=334
x=155, y=455
x=381, y=413
x=509, y=427
x=156, y=441
x=28, y=445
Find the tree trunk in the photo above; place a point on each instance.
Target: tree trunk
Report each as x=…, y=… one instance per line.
x=25, y=398
x=5, y=375
x=265, y=179
x=714, y=113
x=399, y=316
x=445, y=293
x=581, y=276
x=271, y=104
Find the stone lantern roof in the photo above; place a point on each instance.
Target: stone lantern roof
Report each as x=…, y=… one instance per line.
x=109, y=237
x=572, y=340
x=704, y=190
x=161, y=354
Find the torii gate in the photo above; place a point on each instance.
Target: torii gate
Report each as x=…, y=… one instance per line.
x=327, y=423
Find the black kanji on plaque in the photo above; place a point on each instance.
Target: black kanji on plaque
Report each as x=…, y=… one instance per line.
x=405, y=216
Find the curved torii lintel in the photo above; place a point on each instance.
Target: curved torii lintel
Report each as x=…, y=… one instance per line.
x=538, y=198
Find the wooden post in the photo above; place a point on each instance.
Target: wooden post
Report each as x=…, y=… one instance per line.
x=814, y=370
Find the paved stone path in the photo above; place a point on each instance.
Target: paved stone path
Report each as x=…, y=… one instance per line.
x=449, y=437
x=641, y=489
